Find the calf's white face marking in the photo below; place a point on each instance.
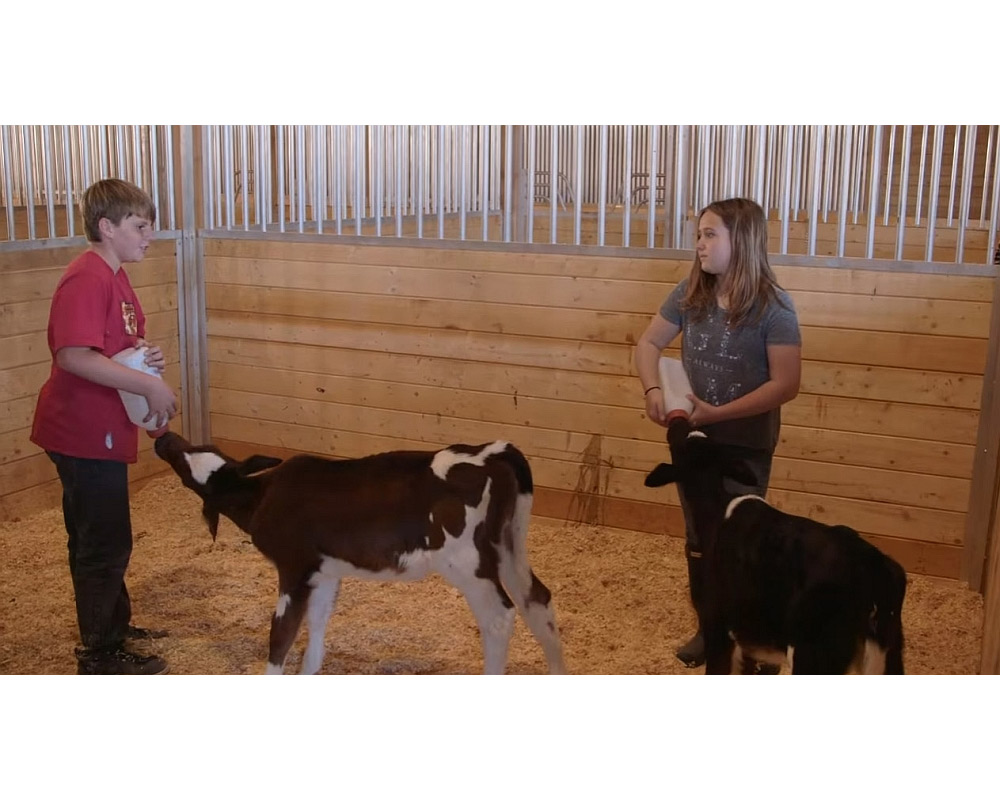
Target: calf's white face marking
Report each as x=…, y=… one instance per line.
x=202, y=465
x=697, y=435
x=446, y=459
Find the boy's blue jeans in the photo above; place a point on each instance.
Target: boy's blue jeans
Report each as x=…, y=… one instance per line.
x=96, y=512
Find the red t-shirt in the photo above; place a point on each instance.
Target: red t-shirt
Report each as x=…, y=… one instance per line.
x=92, y=307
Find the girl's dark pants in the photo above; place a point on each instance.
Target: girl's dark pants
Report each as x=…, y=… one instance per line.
x=96, y=511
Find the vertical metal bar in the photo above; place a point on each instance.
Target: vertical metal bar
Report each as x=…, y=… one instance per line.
x=904, y=190
x=816, y=132
x=29, y=168
x=553, y=183
x=300, y=173
x=991, y=243
x=532, y=145
x=171, y=195
x=154, y=175
x=967, y=170
x=845, y=176
x=920, y=177
x=680, y=197
x=378, y=199
x=935, y=189
x=227, y=150
x=485, y=135
x=440, y=182
x=873, y=191
x=888, y=175
x=986, y=173
x=85, y=147
x=317, y=178
x=797, y=174
x=280, y=131
x=464, y=184
x=956, y=140
x=50, y=205
x=137, y=156
x=359, y=183
x=627, y=188
x=246, y=172
x=654, y=152
x=8, y=158
x=859, y=158
x=578, y=210
x=828, y=157
x=260, y=183
x=602, y=192
x=120, y=151
x=786, y=186
x=508, y=179
x=68, y=169
x=208, y=165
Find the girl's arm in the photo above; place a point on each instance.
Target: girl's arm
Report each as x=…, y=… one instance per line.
x=658, y=334
x=784, y=362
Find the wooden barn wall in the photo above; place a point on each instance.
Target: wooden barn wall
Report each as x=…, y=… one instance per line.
x=28, y=277
x=348, y=349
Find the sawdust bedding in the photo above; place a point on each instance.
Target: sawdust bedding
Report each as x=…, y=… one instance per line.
x=620, y=598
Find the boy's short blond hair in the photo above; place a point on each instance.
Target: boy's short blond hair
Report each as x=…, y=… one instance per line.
x=114, y=199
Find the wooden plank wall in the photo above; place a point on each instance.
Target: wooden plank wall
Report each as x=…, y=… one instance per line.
x=28, y=277
x=350, y=349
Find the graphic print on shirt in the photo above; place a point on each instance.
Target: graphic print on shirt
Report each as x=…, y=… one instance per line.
x=717, y=358
x=128, y=317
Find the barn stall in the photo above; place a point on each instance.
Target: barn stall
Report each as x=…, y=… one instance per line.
x=345, y=290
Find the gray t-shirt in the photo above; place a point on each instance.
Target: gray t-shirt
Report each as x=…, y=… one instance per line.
x=724, y=363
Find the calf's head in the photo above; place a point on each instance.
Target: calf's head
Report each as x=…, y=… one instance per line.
x=215, y=477
x=699, y=465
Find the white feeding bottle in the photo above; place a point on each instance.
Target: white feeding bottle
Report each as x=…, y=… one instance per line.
x=676, y=387
x=135, y=404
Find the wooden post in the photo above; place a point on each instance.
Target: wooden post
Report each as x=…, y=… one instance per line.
x=981, y=518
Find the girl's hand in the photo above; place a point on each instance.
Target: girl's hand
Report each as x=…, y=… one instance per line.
x=654, y=407
x=704, y=413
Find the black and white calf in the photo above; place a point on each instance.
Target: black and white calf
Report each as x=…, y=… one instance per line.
x=461, y=512
x=783, y=587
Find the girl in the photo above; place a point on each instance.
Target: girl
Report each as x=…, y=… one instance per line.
x=741, y=350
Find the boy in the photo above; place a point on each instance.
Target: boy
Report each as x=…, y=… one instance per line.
x=81, y=423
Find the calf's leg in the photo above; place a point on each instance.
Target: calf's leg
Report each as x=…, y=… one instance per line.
x=322, y=599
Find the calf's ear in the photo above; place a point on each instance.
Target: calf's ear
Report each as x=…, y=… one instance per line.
x=256, y=463
x=661, y=475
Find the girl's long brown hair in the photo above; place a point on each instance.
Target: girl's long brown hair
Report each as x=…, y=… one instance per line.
x=752, y=282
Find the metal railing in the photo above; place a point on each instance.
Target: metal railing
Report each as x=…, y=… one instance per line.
x=551, y=184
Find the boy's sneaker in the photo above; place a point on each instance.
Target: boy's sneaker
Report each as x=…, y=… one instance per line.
x=134, y=632
x=117, y=661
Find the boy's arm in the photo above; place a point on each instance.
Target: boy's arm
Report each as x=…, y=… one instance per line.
x=91, y=365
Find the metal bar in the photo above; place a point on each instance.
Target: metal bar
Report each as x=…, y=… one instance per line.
x=508, y=178
x=845, y=156
x=816, y=133
x=920, y=176
x=280, y=131
x=260, y=184
x=379, y=197
x=786, y=187
x=464, y=184
x=797, y=170
x=154, y=175
x=873, y=190
x=68, y=169
x=986, y=173
x=627, y=188
x=29, y=187
x=859, y=158
x=554, y=184
x=956, y=141
x=904, y=190
x=120, y=151
x=578, y=210
x=245, y=169
x=227, y=151
x=888, y=175
x=828, y=164
x=935, y=189
x=966, y=199
x=300, y=173
x=137, y=156
x=317, y=177
x=602, y=192
x=398, y=175
x=50, y=205
x=8, y=187
x=206, y=179
x=991, y=244
x=654, y=151
x=171, y=195
x=440, y=183
x=485, y=134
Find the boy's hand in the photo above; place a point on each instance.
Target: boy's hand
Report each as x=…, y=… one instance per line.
x=162, y=402
x=154, y=356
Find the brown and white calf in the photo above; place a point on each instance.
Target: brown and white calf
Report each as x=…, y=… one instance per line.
x=461, y=512
x=783, y=587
